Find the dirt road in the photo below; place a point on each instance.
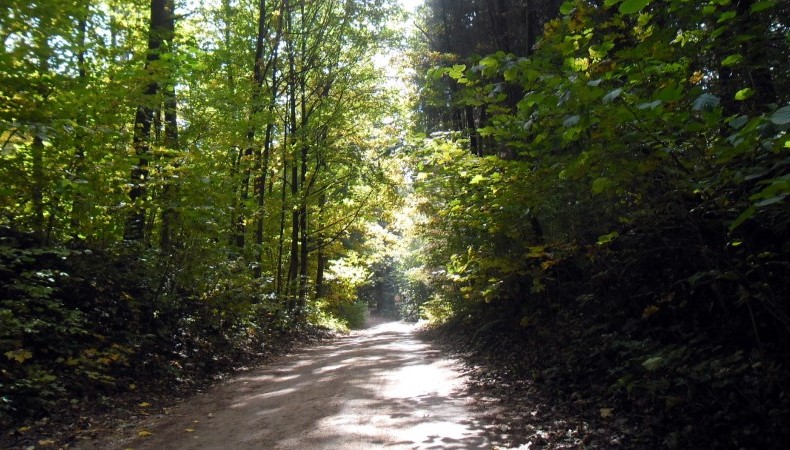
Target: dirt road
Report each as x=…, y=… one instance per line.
x=377, y=388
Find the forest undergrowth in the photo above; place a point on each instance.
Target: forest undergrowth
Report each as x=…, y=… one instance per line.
x=601, y=360
x=114, y=339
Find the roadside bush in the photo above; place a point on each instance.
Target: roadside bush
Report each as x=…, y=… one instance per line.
x=80, y=324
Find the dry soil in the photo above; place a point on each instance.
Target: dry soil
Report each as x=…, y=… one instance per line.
x=376, y=388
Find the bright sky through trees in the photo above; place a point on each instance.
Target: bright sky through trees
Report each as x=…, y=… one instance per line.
x=410, y=5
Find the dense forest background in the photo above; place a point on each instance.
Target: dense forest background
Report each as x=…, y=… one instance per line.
x=184, y=185
x=593, y=193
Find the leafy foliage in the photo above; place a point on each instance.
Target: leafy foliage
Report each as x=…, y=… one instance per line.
x=617, y=196
x=82, y=325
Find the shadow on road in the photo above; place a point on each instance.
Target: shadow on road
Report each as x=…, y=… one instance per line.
x=376, y=388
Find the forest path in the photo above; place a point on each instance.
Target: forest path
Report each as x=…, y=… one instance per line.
x=377, y=388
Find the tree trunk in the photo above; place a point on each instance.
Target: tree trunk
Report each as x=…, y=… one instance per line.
x=263, y=170
x=78, y=206
x=143, y=125
x=293, y=269
x=281, y=239
x=304, y=252
x=170, y=192
x=320, y=289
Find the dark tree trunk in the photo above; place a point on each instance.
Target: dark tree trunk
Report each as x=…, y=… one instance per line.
x=143, y=125
x=320, y=288
x=170, y=213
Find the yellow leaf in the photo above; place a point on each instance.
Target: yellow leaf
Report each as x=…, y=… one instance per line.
x=46, y=442
x=144, y=405
x=649, y=311
x=19, y=356
x=144, y=433
x=696, y=77
x=606, y=412
x=546, y=265
x=189, y=430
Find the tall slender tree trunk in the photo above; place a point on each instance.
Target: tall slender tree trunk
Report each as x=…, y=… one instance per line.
x=170, y=195
x=37, y=185
x=293, y=269
x=144, y=123
x=258, y=75
x=78, y=206
x=281, y=237
x=236, y=151
x=320, y=288
x=38, y=180
x=263, y=170
x=304, y=251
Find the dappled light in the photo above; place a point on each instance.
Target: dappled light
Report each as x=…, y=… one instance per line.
x=379, y=387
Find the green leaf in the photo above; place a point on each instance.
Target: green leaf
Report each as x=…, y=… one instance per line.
x=571, y=121
x=653, y=364
x=744, y=94
x=762, y=6
x=739, y=122
x=566, y=8
x=746, y=215
x=729, y=15
x=477, y=179
x=601, y=185
x=600, y=51
x=612, y=95
x=510, y=74
x=719, y=31
x=579, y=64
x=781, y=116
x=489, y=61
x=706, y=101
x=771, y=201
x=457, y=71
x=671, y=93
x=633, y=6
x=650, y=105
x=607, y=238
x=732, y=60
